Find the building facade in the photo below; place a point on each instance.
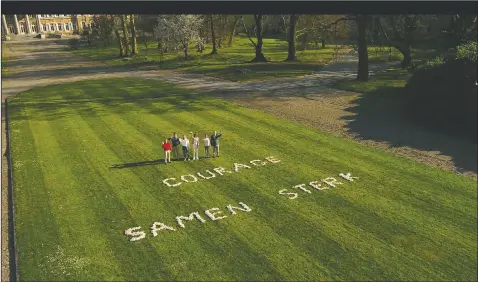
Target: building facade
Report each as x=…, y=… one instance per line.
x=45, y=23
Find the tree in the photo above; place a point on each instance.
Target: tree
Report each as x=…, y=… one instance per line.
x=258, y=31
x=222, y=22
x=291, y=37
x=320, y=28
x=145, y=27
x=233, y=30
x=102, y=28
x=125, y=35
x=122, y=50
x=178, y=31
x=134, y=47
x=362, y=21
x=213, y=36
x=400, y=31
x=462, y=28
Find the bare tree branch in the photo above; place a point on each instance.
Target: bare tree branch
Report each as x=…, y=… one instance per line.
x=247, y=32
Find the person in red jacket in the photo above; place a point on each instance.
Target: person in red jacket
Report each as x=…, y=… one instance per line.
x=167, y=151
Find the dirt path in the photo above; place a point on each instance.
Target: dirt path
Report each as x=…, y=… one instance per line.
x=309, y=100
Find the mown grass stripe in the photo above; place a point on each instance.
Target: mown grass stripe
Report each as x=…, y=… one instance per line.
x=339, y=233
x=132, y=132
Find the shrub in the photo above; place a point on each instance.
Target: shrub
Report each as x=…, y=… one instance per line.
x=442, y=93
x=467, y=51
x=440, y=60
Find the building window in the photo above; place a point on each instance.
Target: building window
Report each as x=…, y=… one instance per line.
x=45, y=27
x=34, y=28
x=67, y=26
x=52, y=27
x=22, y=29
x=12, y=29
x=59, y=26
x=84, y=24
x=73, y=26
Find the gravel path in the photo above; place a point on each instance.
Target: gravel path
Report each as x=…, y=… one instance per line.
x=308, y=99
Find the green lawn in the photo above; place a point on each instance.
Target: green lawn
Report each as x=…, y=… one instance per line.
x=233, y=63
x=86, y=159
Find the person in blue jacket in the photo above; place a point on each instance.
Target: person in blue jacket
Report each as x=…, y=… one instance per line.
x=215, y=144
x=175, y=142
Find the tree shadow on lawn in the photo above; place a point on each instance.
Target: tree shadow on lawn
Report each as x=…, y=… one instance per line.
x=251, y=71
x=74, y=71
x=383, y=115
x=55, y=102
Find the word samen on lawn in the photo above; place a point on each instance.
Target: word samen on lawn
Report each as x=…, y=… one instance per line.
x=212, y=213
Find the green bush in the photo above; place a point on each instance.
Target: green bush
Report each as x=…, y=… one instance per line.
x=440, y=60
x=467, y=51
x=443, y=93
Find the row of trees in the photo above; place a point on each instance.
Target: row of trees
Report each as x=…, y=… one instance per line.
x=174, y=32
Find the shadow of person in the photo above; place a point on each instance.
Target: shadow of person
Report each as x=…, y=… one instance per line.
x=137, y=164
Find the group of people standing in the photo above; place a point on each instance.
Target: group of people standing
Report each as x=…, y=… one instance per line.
x=173, y=142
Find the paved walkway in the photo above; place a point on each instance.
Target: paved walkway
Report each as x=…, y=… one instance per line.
x=34, y=63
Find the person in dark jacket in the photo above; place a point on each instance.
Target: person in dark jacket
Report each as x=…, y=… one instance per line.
x=215, y=144
x=175, y=142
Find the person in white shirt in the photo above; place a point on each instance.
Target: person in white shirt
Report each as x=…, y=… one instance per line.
x=207, y=144
x=195, y=146
x=185, y=143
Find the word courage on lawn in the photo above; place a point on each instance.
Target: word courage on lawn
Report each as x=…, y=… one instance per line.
x=190, y=178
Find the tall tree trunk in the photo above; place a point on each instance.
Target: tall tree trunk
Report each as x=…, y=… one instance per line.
x=185, y=50
x=233, y=31
x=120, y=43
x=134, y=47
x=259, y=55
x=362, y=74
x=214, y=49
x=406, y=51
x=291, y=38
x=304, y=41
x=125, y=36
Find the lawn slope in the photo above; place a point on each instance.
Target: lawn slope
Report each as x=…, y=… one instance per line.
x=87, y=166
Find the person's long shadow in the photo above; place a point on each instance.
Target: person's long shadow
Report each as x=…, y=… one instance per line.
x=145, y=163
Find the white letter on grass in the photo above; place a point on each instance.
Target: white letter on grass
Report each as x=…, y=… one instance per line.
x=237, y=166
x=212, y=214
x=294, y=195
x=331, y=181
x=183, y=178
x=302, y=187
x=316, y=185
x=244, y=208
x=166, y=181
x=137, y=235
x=220, y=170
x=158, y=226
x=273, y=159
x=207, y=177
x=348, y=177
x=193, y=215
x=254, y=162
